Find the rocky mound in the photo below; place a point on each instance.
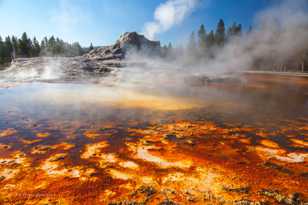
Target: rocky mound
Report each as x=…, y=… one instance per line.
x=129, y=41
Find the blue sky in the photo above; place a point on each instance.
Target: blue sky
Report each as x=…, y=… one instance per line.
x=102, y=21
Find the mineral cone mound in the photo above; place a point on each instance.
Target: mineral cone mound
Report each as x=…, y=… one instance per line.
x=129, y=41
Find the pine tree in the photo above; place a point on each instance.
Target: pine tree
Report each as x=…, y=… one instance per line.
x=249, y=29
x=202, y=38
x=36, y=47
x=164, y=51
x=76, y=49
x=51, y=45
x=169, y=49
x=15, y=47
x=210, y=39
x=44, y=46
x=91, y=47
x=239, y=29
x=192, y=42
x=231, y=30
x=220, y=33
x=234, y=30
x=25, y=45
x=8, y=49
x=169, y=46
x=1, y=51
x=59, y=47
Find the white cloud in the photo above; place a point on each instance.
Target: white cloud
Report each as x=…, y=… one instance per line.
x=169, y=14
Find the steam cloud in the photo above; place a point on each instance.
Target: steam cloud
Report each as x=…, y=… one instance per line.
x=168, y=14
x=279, y=36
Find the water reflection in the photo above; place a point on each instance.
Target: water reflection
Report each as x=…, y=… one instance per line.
x=220, y=143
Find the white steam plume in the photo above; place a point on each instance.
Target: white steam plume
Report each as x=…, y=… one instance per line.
x=279, y=39
x=168, y=14
x=280, y=35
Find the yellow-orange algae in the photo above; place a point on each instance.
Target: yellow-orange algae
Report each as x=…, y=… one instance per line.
x=189, y=162
x=42, y=134
x=298, y=142
x=269, y=143
x=8, y=132
x=91, y=134
x=42, y=149
x=93, y=150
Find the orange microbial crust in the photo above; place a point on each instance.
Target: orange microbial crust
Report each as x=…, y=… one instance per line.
x=184, y=162
x=7, y=132
x=237, y=142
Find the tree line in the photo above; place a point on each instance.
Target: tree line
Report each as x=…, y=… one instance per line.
x=203, y=42
x=12, y=47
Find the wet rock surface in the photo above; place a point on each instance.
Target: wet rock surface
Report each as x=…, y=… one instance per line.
x=57, y=68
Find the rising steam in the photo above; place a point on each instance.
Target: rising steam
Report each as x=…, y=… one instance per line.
x=279, y=36
x=168, y=14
